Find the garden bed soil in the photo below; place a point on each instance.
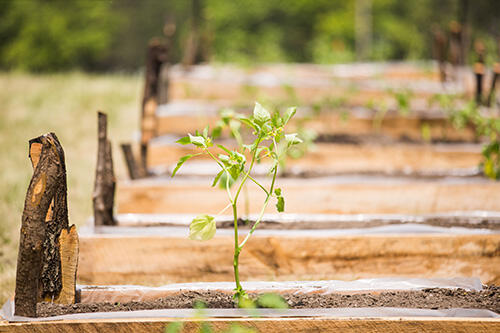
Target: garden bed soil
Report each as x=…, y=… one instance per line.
x=433, y=298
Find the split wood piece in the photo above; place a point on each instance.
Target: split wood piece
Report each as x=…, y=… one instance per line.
x=326, y=158
x=156, y=56
x=286, y=258
x=334, y=124
x=69, y=249
x=132, y=168
x=322, y=195
x=104, y=186
x=264, y=325
x=45, y=215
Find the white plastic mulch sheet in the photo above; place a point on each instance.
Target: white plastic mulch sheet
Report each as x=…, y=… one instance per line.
x=138, y=293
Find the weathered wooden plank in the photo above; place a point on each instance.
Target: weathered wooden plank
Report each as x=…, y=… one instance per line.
x=157, y=260
x=262, y=325
x=332, y=195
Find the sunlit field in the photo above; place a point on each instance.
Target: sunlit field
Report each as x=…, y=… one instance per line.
x=66, y=104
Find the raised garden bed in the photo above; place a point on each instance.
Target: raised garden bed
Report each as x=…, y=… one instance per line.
x=336, y=159
x=153, y=249
x=360, y=83
x=358, y=306
x=340, y=194
x=185, y=117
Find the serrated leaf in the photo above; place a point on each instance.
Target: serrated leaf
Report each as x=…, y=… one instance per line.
x=260, y=114
x=216, y=179
x=292, y=139
x=272, y=301
x=197, y=140
x=205, y=131
x=184, y=141
x=181, y=162
x=277, y=191
x=202, y=227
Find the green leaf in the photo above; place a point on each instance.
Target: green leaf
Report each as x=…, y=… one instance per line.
x=290, y=112
x=184, y=141
x=260, y=114
x=249, y=123
x=216, y=179
x=202, y=227
x=292, y=139
x=280, y=205
x=224, y=148
x=205, y=131
x=197, y=140
x=272, y=301
x=181, y=162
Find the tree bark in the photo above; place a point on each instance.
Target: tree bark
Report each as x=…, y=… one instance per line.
x=45, y=214
x=104, y=186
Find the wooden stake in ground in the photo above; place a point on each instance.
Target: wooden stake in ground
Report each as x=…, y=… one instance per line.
x=157, y=55
x=496, y=74
x=133, y=171
x=479, y=71
x=104, y=186
x=45, y=216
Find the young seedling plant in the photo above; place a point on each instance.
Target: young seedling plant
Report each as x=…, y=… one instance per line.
x=269, y=142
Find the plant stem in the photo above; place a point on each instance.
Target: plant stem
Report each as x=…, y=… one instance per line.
x=269, y=194
x=237, y=251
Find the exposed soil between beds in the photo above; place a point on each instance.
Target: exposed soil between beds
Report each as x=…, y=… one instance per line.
x=465, y=222
x=435, y=298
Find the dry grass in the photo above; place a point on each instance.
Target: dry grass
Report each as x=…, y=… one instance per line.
x=66, y=104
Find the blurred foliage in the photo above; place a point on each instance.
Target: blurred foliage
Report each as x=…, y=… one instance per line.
x=48, y=35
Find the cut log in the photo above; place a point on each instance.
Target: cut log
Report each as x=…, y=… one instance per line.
x=45, y=215
x=104, y=186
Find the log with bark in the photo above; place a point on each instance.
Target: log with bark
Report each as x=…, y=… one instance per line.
x=47, y=261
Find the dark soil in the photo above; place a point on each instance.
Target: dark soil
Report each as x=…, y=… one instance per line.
x=380, y=139
x=447, y=222
x=488, y=298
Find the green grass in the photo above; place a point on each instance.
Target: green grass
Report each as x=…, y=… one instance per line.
x=66, y=103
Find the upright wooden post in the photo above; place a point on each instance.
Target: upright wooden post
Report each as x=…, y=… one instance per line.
x=133, y=171
x=104, y=186
x=496, y=74
x=46, y=264
x=439, y=52
x=157, y=55
x=479, y=71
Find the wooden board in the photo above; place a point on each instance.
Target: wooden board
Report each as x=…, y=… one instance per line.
x=346, y=158
x=262, y=325
x=334, y=195
x=157, y=260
